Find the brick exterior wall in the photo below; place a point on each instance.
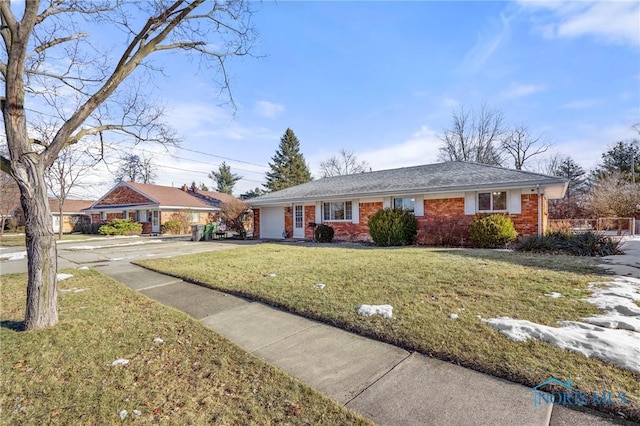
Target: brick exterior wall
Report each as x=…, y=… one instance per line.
x=256, y=223
x=442, y=217
x=309, y=216
x=123, y=195
x=288, y=221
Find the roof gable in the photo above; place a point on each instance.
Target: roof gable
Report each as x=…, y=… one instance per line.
x=429, y=178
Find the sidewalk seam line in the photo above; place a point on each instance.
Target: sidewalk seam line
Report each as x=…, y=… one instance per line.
x=283, y=338
x=158, y=285
x=379, y=378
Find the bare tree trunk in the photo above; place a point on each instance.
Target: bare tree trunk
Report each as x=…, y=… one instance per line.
x=60, y=221
x=42, y=294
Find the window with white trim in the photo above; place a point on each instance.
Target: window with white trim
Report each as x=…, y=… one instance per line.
x=103, y=216
x=407, y=204
x=492, y=201
x=194, y=217
x=338, y=210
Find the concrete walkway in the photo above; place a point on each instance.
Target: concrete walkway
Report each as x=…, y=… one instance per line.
x=389, y=385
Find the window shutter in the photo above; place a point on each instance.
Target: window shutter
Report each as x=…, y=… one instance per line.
x=355, y=211
x=386, y=202
x=318, y=212
x=469, y=203
x=418, y=205
x=515, y=202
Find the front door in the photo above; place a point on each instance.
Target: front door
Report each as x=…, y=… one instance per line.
x=155, y=222
x=298, y=221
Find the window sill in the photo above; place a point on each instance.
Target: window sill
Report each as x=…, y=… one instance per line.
x=338, y=221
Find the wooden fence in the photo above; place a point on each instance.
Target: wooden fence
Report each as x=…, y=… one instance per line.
x=608, y=225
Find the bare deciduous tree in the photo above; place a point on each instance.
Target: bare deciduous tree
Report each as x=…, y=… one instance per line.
x=135, y=168
x=520, y=144
x=474, y=136
x=9, y=198
x=614, y=195
x=85, y=91
x=345, y=163
x=65, y=174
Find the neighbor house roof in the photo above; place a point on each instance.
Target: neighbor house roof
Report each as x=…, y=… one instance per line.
x=429, y=178
x=70, y=206
x=166, y=196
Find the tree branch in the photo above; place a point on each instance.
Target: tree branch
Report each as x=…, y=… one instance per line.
x=57, y=41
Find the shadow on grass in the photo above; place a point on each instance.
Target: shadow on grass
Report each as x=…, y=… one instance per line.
x=554, y=262
x=12, y=325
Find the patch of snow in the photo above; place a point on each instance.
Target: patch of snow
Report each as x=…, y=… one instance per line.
x=453, y=316
x=113, y=259
x=157, y=340
x=83, y=268
x=14, y=256
x=553, y=295
x=505, y=250
x=73, y=290
x=120, y=361
x=271, y=275
x=151, y=254
x=137, y=412
x=135, y=243
x=61, y=277
x=386, y=311
x=319, y=285
x=123, y=414
x=613, y=336
x=479, y=317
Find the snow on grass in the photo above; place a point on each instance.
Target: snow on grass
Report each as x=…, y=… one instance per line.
x=14, y=256
x=386, y=311
x=613, y=336
x=61, y=277
x=453, y=316
x=553, y=295
x=83, y=268
x=319, y=286
x=73, y=290
x=120, y=361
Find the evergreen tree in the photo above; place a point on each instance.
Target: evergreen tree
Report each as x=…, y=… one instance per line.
x=252, y=193
x=619, y=158
x=288, y=167
x=569, y=169
x=224, y=179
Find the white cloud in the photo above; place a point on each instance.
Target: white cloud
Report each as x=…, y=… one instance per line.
x=268, y=109
x=421, y=148
x=488, y=42
x=611, y=22
x=581, y=104
x=522, y=90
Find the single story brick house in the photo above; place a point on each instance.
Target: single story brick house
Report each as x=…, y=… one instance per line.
x=435, y=193
x=73, y=214
x=154, y=205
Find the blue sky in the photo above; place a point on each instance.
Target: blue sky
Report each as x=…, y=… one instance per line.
x=382, y=79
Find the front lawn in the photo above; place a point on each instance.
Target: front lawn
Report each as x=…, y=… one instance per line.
x=426, y=286
x=63, y=375
x=17, y=240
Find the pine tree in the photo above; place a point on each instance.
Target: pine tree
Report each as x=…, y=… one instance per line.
x=619, y=158
x=569, y=169
x=288, y=167
x=224, y=179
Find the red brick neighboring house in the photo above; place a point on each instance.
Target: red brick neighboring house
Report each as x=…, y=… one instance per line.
x=438, y=194
x=73, y=214
x=154, y=205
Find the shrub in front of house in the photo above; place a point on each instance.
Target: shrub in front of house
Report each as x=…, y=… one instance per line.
x=448, y=232
x=173, y=226
x=393, y=227
x=121, y=227
x=577, y=244
x=324, y=233
x=492, y=231
x=90, y=228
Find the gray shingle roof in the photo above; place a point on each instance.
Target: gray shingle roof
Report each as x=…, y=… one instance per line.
x=450, y=176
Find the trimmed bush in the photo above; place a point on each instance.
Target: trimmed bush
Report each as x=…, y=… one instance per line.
x=324, y=233
x=393, y=227
x=121, y=227
x=172, y=226
x=493, y=231
x=90, y=228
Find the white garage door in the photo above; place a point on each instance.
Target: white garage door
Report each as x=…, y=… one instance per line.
x=271, y=222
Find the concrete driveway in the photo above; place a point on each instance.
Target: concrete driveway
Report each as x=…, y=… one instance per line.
x=114, y=252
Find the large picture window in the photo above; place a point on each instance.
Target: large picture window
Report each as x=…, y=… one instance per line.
x=492, y=201
x=407, y=204
x=338, y=210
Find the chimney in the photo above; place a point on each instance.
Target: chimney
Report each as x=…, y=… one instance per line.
x=185, y=188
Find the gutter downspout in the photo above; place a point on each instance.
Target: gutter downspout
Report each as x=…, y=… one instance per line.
x=539, y=211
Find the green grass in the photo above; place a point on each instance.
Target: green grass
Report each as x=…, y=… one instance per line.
x=425, y=286
x=63, y=375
